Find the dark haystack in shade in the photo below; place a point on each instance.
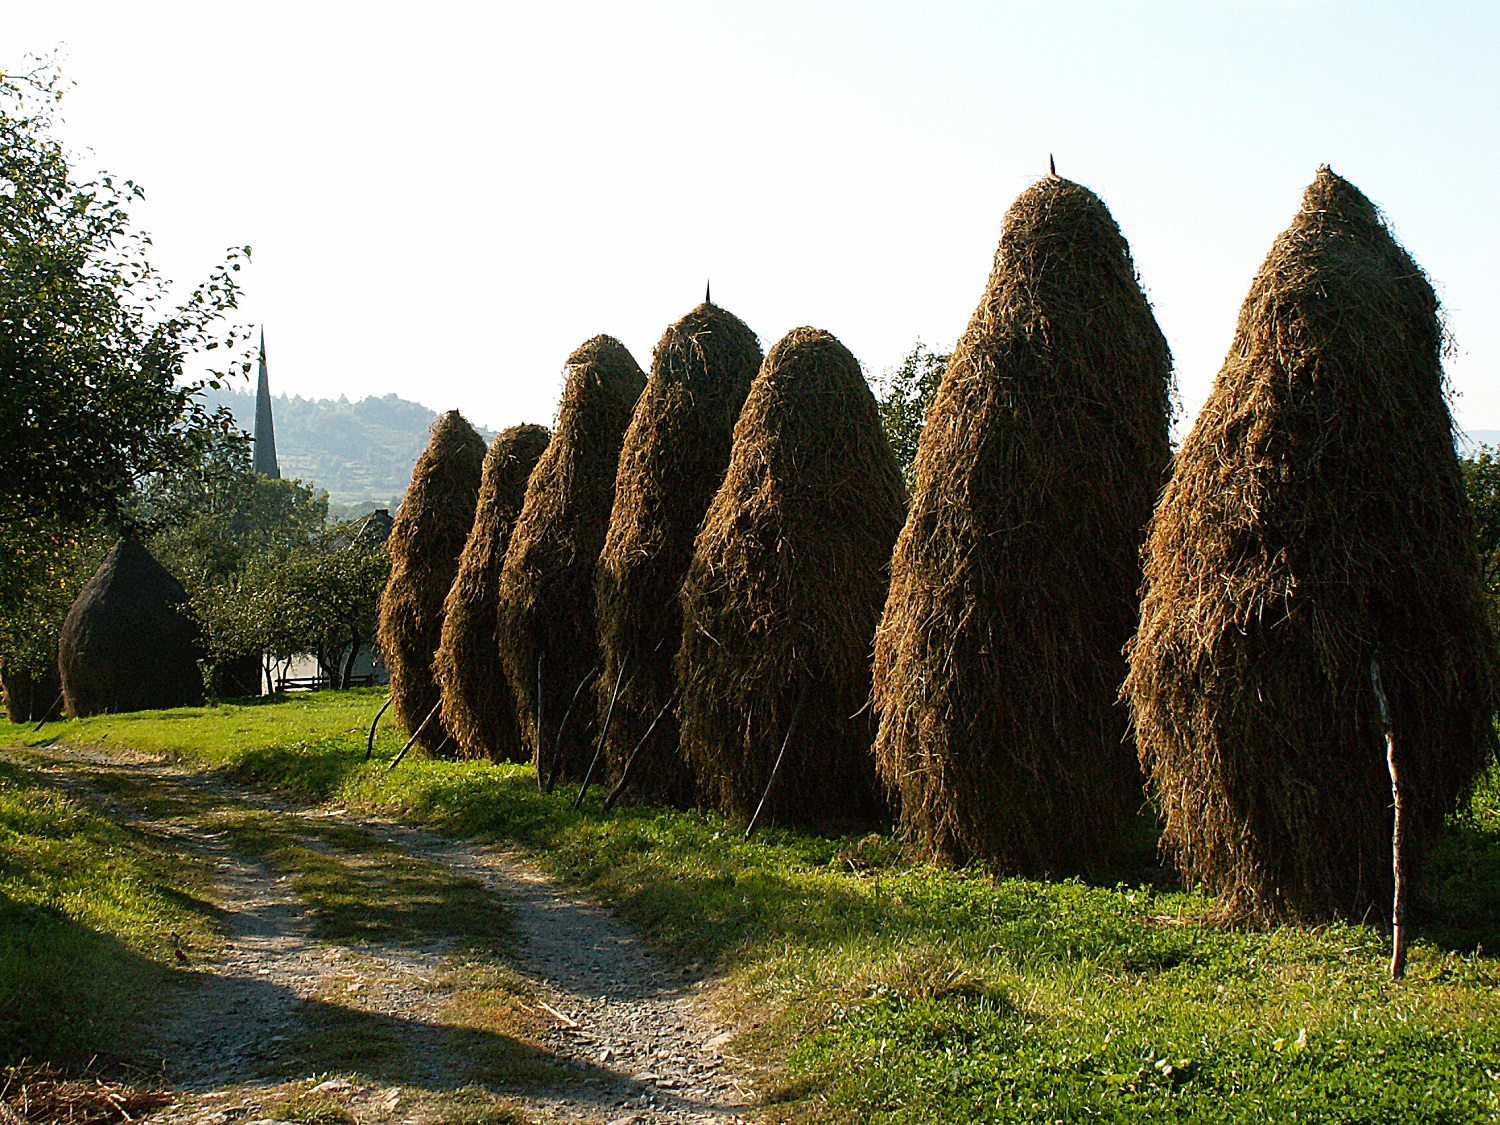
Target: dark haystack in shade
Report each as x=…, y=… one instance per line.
x=672, y=462
x=1014, y=584
x=427, y=537
x=784, y=592
x=128, y=642
x=547, y=583
x=1316, y=518
x=477, y=705
x=29, y=698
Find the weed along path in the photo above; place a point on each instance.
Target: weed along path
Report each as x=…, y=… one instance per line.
x=370, y=972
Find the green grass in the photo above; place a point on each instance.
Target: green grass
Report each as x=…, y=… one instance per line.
x=88, y=915
x=885, y=991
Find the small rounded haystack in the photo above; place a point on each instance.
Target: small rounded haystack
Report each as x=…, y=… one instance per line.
x=672, y=462
x=1014, y=585
x=783, y=594
x=29, y=698
x=427, y=537
x=477, y=706
x=128, y=642
x=546, y=618
x=1316, y=522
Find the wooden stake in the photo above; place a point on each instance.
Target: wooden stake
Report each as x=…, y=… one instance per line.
x=776, y=768
x=541, y=757
x=48, y=713
x=614, y=794
x=370, y=742
x=1398, y=829
x=416, y=734
x=562, y=726
x=603, y=734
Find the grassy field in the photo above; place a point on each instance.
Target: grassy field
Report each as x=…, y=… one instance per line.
x=877, y=989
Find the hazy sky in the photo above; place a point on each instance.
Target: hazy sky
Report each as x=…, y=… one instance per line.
x=444, y=199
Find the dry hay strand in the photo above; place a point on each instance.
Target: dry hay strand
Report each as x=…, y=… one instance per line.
x=477, y=706
x=129, y=641
x=671, y=464
x=427, y=537
x=547, y=583
x=44, y=1094
x=784, y=591
x=1315, y=518
x=28, y=698
x=1014, y=583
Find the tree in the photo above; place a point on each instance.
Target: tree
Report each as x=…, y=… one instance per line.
x=92, y=354
x=1482, y=481
x=321, y=597
x=904, y=394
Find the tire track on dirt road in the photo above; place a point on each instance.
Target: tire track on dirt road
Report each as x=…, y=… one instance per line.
x=614, y=1034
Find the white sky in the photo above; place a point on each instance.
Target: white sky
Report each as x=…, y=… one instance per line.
x=445, y=198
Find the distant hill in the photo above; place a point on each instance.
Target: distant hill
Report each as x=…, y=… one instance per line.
x=361, y=452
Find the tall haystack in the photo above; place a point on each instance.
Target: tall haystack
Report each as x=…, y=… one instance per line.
x=672, y=462
x=1014, y=583
x=546, y=614
x=27, y=697
x=129, y=642
x=427, y=537
x=1315, y=520
x=477, y=706
x=784, y=591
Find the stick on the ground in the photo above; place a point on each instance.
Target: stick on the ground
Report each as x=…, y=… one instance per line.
x=775, y=769
x=553, y=1011
x=370, y=744
x=588, y=774
x=541, y=755
x=396, y=761
x=562, y=726
x=1398, y=829
x=614, y=794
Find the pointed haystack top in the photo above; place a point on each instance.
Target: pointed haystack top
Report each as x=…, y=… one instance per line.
x=265, y=429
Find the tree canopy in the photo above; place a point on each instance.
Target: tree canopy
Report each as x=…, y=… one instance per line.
x=92, y=351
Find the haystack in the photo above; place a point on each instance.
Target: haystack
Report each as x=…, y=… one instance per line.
x=1316, y=519
x=672, y=462
x=477, y=706
x=27, y=697
x=546, y=616
x=784, y=592
x=1013, y=586
x=129, y=642
x=427, y=537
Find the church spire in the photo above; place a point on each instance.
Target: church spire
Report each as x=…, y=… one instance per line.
x=265, y=429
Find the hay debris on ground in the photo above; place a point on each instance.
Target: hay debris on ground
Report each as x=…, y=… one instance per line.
x=546, y=611
x=671, y=464
x=44, y=1095
x=784, y=591
x=426, y=539
x=1014, y=583
x=1316, y=519
x=478, y=709
x=129, y=641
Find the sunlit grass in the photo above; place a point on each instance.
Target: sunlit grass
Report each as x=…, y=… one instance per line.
x=877, y=989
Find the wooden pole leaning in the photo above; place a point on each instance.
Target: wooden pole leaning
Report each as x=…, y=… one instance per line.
x=1398, y=828
x=416, y=734
x=370, y=742
x=614, y=794
x=776, y=768
x=604, y=733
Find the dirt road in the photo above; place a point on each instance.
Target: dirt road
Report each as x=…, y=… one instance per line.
x=370, y=972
